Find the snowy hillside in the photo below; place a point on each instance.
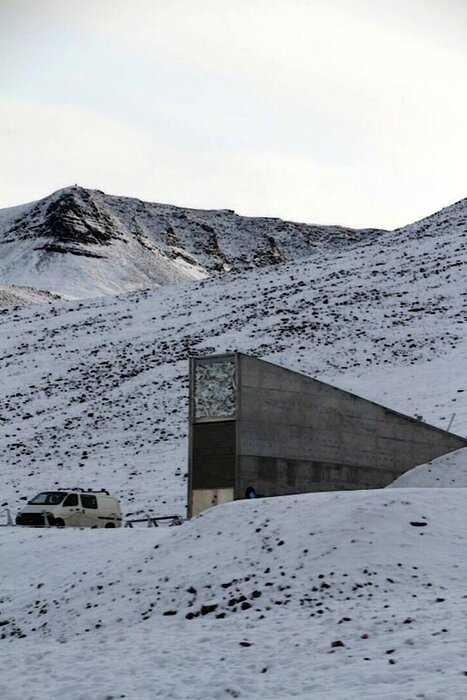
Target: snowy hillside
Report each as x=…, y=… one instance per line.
x=83, y=243
x=341, y=596
x=95, y=392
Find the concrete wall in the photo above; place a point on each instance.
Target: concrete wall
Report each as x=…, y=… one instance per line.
x=255, y=424
x=296, y=434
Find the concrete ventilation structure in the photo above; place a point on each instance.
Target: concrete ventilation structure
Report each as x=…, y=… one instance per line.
x=259, y=429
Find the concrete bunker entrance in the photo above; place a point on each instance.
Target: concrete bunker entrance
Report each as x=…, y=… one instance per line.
x=260, y=429
x=213, y=464
x=213, y=429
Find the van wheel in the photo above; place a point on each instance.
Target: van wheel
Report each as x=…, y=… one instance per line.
x=59, y=522
x=110, y=525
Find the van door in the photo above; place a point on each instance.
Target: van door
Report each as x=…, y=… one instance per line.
x=71, y=511
x=108, y=512
x=89, y=508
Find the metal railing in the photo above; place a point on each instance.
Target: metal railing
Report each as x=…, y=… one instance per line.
x=153, y=521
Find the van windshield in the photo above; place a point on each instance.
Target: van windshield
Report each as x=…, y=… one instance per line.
x=48, y=498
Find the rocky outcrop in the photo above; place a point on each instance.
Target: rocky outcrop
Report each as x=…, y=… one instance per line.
x=69, y=216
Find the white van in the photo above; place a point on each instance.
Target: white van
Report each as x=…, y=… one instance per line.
x=71, y=508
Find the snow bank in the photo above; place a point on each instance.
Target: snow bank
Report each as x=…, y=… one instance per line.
x=337, y=595
x=447, y=471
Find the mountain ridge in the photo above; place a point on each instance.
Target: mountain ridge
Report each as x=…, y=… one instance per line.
x=82, y=243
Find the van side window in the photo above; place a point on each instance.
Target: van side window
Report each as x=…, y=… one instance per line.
x=70, y=500
x=88, y=501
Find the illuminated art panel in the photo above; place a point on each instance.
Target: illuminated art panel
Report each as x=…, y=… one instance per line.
x=215, y=389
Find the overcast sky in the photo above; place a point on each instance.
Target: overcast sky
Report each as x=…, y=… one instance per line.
x=327, y=111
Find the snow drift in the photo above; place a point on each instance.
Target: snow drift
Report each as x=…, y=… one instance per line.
x=447, y=471
x=339, y=595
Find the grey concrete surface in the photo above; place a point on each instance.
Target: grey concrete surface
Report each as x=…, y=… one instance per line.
x=295, y=434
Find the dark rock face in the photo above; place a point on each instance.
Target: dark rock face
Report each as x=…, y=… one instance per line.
x=77, y=220
x=269, y=253
x=55, y=248
x=71, y=217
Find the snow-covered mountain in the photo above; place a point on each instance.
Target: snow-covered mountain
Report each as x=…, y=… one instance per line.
x=83, y=243
x=96, y=391
x=343, y=595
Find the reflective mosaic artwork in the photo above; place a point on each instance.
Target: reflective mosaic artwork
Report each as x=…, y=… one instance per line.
x=215, y=389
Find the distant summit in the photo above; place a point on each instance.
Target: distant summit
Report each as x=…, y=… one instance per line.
x=83, y=243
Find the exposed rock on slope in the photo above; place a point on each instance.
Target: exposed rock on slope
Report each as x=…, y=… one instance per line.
x=11, y=296
x=83, y=243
